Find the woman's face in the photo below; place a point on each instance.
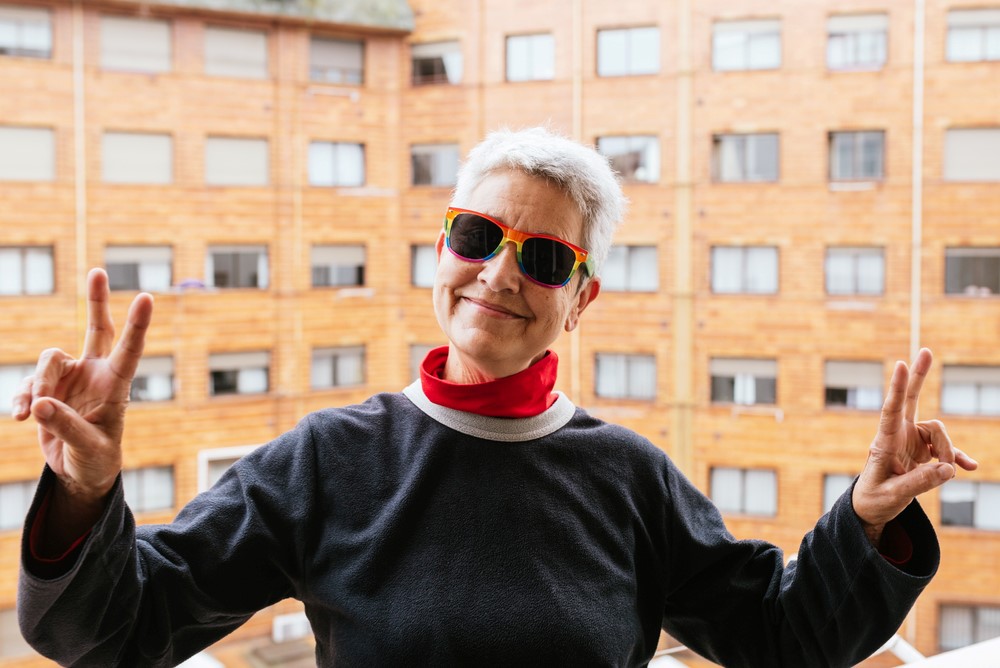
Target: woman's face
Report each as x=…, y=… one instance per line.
x=498, y=321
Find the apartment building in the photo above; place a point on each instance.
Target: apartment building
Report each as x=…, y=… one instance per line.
x=813, y=190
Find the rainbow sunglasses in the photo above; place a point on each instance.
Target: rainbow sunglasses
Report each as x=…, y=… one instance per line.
x=545, y=259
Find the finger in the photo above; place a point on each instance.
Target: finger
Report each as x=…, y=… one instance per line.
x=21, y=404
x=100, y=328
x=66, y=424
x=921, y=479
x=936, y=436
x=892, y=408
x=918, y=372
x=126, y=355
x=52, y=366
x=965, y=461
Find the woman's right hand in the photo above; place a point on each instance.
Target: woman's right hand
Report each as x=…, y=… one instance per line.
x=79, y=404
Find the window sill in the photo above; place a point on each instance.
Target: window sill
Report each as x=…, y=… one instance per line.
x=854, y=186
x=761, y=410
x=853, y=303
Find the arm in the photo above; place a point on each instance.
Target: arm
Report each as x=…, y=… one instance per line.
x=79, y=405
x=155, y=595
x=735, y=601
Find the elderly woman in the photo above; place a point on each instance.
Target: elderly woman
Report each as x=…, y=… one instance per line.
x=477, y=517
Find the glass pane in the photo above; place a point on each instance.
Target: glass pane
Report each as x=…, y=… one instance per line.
x=614, y=272
x=765, y=51
x=642, y=377
x=729, y=51
x=543, y=57
x=611, y=376
x=761, y=493
x=424, y=266
x=834, y=485
x=644, y=57
x=965, y=44
x=987, y=515
x=727, y=489
x=643, y=271
x=611, y=53
x=320, y=164
x=39, y=278
x=251, y=381
x=518, y=59
x=871, y=273
x=11, y=271
x=727, y=269
x=762, y=270
x=956, y=626
x=958, y=398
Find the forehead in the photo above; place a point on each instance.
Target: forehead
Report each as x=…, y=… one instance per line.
x=528, y=203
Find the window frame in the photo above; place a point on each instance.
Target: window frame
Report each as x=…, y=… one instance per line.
x=444, y=161
x=347, y=75
x=750, y=30
x=726, y=369
x=857, y=141
x=263, y=265
x=744, y=275
x=530, y=44
x=648, y=151
x=982, y=254
x=744, y=510
x=746, y=148
x=629, y=390
x=335, y=354
x=222, y=361
x=855, y=254
x=854, y=368
x=631, y=68
x=336, y=148
x=853, y=63
x=47, y=289
x=18, y=48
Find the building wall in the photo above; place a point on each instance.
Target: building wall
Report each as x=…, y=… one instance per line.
x=684, y=324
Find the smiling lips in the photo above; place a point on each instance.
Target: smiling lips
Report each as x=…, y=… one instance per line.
x=492, y=308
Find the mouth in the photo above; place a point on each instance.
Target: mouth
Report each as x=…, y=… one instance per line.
x=489, y=308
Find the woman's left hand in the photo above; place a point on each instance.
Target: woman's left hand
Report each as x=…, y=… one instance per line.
x=906, y=458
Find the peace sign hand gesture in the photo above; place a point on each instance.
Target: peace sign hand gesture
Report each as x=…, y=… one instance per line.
x=901, y=458
x=79, y=405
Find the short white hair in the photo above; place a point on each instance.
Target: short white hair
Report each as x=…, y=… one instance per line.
x=581, y=172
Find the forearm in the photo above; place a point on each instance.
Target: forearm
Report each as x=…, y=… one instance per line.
x=67, y=517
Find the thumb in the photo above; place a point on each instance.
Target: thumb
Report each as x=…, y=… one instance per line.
x=922, y=479
x=65, y=423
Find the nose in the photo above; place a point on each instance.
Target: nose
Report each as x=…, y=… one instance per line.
x=502, y=272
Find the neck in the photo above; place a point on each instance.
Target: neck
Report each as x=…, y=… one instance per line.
x=459, y=369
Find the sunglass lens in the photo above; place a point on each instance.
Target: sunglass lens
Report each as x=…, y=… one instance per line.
x=474, y=237
x=547, y=261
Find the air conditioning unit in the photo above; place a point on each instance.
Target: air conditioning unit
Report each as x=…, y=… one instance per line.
x=290, y=627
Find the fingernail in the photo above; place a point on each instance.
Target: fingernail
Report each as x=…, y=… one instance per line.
x=946, y=471
x=44, y=410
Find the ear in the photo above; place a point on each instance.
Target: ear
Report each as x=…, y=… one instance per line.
x=582, y=300
x=439, y=245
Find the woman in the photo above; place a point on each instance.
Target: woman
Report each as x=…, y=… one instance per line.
x=477, y=517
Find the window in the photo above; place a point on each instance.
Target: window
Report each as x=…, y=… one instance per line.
x=423, y=265
x=965, y=503
x=336, y=60
x=834, y=486
x=131, y=158
x=856, y=156
x=336, y=164
x=135, y=45
x=621, y=376
x=26, y=270
x=15, y=500
x=744, y=269
x=337, y=367
x=856, y=42
x=746, y=45
x=154, y=380
x=745, y=157
x=631, y=269
x=11, y=376
x=146, y=268
x=972, y=154
x=25, y=32
x=237, y=267
x=337, y=266
x=855, y=271
x=973, y=35
x=436, y=63
x=434, y=164
x=235, y=53
x=745, y=491
x=27, y=154
x=231, y=161
x=625, y=51
x=636, y=158
x=531, y=57
x=743, y=381
x=972, y=271
x=149, y=489
x=970, y=390
x=238, y=373
x=962, y=625
x=854, y=385
x=418, y=351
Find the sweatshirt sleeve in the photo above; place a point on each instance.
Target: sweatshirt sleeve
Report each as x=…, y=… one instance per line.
x=155, y=595
x=737, y=603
